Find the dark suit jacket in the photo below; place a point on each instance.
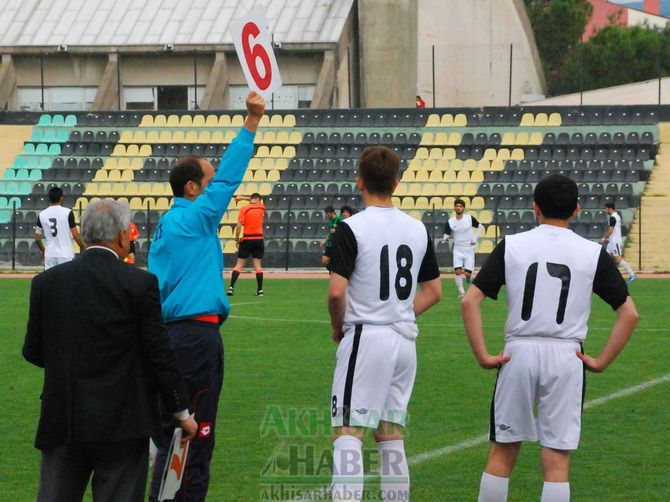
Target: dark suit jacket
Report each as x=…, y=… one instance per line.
x=95, y=327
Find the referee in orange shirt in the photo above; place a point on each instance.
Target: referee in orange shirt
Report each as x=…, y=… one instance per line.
x=251, y=244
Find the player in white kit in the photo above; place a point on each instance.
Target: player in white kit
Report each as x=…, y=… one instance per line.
x=550, y=274
x=465, y=230
x=379, y=256
x=615, y=240
x=56, y=223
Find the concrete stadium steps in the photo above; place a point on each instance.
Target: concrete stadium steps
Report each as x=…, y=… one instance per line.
x=653, y=232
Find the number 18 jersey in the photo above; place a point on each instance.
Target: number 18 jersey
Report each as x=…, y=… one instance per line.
x=550, y=274
x=384, y=253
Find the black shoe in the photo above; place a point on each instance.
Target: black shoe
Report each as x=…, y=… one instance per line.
x=231, y=291
x=259, y=292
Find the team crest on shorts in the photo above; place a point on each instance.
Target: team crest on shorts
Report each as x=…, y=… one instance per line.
x=503, y=427
x=205, y=429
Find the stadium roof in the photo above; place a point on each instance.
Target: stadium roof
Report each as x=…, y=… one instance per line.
x=39, y=23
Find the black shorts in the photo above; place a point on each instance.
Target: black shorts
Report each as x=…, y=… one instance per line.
x=328, y=251
x=253, y=247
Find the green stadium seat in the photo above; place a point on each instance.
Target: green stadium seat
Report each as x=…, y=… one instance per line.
x=45, y=120
x=42, y=149
x=54, y=149
x=21, y=174
x=70, y=121
x=58, y=120
x=28, y=149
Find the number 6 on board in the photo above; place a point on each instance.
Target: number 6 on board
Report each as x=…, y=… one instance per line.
x=254, y=50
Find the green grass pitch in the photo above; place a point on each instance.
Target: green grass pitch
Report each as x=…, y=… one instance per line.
x=276, y=399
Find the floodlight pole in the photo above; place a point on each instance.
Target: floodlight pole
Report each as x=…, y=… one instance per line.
x=511, y=60
x=195, y=79
x=42, y=78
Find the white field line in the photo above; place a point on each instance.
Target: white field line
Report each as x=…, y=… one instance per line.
x=478, y=440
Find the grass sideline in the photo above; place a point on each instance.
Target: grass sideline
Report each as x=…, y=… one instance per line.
x=279, y=363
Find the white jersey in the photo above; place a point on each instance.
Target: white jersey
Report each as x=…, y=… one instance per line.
x=550, y=274
x=55, y=223
x=615, y=223
x=383, y=253
x=460, y=230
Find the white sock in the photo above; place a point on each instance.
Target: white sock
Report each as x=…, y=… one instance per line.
x=493, y=488
x=624, y=264
x=394, y=470
x=347, y=469
x=555, y=492
x=459, y=283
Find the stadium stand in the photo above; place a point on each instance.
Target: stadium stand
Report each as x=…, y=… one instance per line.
x=305, y=160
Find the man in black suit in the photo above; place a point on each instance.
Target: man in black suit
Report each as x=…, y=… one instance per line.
x=95, y=327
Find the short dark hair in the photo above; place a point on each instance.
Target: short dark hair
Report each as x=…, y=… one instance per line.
x=609, y=205
x=347, y=209
x=329, y=209
x=55, y=194
x=459, y=201
x=556, y=196
x=255, y=195
x=378, y=168
x=185, y=169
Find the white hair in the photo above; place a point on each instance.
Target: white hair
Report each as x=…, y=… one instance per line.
x=103, y=220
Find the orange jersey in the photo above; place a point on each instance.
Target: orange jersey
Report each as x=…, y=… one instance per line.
x=251, y=218
x=134, y=233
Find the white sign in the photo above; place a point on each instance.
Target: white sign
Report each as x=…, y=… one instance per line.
x=175, y=463
x=254, y=50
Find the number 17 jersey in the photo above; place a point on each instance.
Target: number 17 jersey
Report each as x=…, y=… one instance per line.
x=384, y=253
x=550, y=274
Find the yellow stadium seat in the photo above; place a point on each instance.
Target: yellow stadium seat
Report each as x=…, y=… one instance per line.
x=295, y=138
x=172, y=121
x=136, y=164
x=259, y=176
x=145, y=151
x=264, y=122
x=132, y=151
x=289, y=120
x=447, y=120
x=490, y=154
x=147, y=121
x=491, y=231
x=460, y=120
x=157, y=189
x=407, y=203
x=414, y=165
x=421, y=176
x=217, y=137
x=463, y=176
x=456, y=189
x=483, y=165
x=401, y=189
x=276, y=121
x=237, y=121
x=229, y=137
x=477, y=203
x=522, y=139
x=536, y=139
x=435, y=176
x=162, y=204
x=191, y=137
x=408, y=176
x=421, y=153
x=449, y=177
x=81, y=203
x=454, y=139
x=485, y=217
x=269, y=137
x=433, y=120
x=101, y=175
x=104, y=189
x=126, y=136
x=265, y=189
x=118, y=189
x=497, y=165
x=477, y=176
x=397, y=201
x=229, y=247
x=442, y=189
x=204, y=137
x=114, y=175
x=165, y=137
x=427, y=139
x=508, y=138
x=282, y=136
x=442, y=164
x=144, y=188
x=140, y=136
x=267, y=163
x=111, y=163
x=119, y=150
x=435, y=153
x=503, y=154
x=541, y=119
x=263, y=151
x=485, y=246
x=135, y=202
x=517, y=154
x=527, y=119
x=160, y=121
x=276, y=151
x=131, y=188
x=273, y=175
x=226, y=232
x=248, y=175
x=449, y=154
x=224, y=121
x=441, y=138
x=209, y=121
x=555, y=119
x=448, y=202
x=186, y=121
x=178, y=137
x=254, y=164
x=421, y=203
x=469, y=164
x=428, y=189
x=153, y=137
x=435, y=203
x=258, y=139
x=282, y=164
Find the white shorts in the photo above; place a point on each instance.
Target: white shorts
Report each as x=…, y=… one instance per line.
x=464, y=258
x=543, y=372
x=52, y=261
x=374, y=377
x=615, y=248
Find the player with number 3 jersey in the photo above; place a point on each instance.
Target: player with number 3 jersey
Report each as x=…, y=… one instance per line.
x=550, y=274
x=379, y=256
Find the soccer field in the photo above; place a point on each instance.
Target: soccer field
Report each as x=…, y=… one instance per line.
x=275, y=407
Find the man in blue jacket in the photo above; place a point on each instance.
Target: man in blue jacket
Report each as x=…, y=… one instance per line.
x=186, y=257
